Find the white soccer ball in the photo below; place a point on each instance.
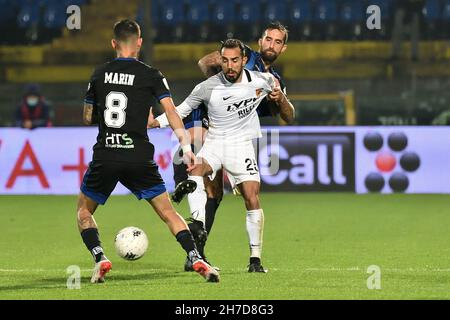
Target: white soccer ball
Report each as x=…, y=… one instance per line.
x=131, y=243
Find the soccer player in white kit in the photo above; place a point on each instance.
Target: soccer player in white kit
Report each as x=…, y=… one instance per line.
x=231, y=97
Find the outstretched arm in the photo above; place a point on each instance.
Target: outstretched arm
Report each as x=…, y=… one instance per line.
x=178, y=128
x=210, y=64
x=184, y=109
x=162, y=121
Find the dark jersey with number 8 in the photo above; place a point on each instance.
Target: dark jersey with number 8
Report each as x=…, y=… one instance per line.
x=122, y=92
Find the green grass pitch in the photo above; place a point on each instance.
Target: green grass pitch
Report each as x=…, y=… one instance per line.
x=316, y=246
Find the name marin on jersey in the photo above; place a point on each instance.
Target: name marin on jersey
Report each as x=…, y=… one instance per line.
x=119, y=78
x=241, y=106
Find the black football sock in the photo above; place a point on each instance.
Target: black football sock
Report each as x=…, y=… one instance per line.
x=201, y=249
x=184, y=237
x=211, y=207
x=92, y=241
x=179, y=169
x=194, y=226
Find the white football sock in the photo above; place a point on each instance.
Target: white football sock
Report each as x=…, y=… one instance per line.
x=255, y=227
x=197, y=200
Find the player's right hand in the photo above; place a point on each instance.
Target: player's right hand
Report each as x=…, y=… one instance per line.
x=276, y=95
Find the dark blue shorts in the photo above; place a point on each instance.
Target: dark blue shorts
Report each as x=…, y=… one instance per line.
x=143, y=179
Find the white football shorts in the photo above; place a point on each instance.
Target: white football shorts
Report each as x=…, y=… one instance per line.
x=237, y=158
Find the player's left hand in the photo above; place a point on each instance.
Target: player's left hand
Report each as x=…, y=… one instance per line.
x=276, y=95
x=190, y=160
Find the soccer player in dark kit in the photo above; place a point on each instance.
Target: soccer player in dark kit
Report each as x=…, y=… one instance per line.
x=118, y=99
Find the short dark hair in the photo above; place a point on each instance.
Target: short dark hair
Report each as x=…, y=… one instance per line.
x=233, y=43
x=125, y=29
x=278, y=26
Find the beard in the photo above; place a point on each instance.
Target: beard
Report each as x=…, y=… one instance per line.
x=269, y=55
x=233, y=78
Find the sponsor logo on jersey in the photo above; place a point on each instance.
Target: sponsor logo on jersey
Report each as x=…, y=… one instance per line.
x=243, y=107
x=118, y=141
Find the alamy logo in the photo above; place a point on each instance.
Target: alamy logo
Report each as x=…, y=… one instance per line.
x=374, y=20
x=390, y=160
x=374, y=280
x=73, y=21
x=74, y=279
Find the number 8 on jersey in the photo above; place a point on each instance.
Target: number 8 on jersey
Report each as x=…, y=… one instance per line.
x=115, y=103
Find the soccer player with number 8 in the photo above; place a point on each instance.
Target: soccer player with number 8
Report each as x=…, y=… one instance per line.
x=118, y=99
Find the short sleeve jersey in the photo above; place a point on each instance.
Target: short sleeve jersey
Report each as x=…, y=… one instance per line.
x=122, y=92
x=255, y=63
x=232, y=106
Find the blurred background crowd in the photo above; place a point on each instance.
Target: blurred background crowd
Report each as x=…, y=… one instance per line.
x=337, y=71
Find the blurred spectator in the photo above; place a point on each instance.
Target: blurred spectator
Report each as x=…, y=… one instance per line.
x=33, y=111
x=407, y=12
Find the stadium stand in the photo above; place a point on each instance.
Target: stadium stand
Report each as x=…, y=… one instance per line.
x=446, y=18
x=352, y=16
x=223, y=20
x=173, y=16
x=198, y=21
x=249, y=19
x=325, y=19
x=40, y=21
x=328, y=44
x=299, y=18
x=432, y=13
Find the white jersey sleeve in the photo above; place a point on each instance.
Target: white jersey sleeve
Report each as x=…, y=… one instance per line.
x=197, y=96
x=185, y=108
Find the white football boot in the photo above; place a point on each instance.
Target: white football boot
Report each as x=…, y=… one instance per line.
x=100, y=270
